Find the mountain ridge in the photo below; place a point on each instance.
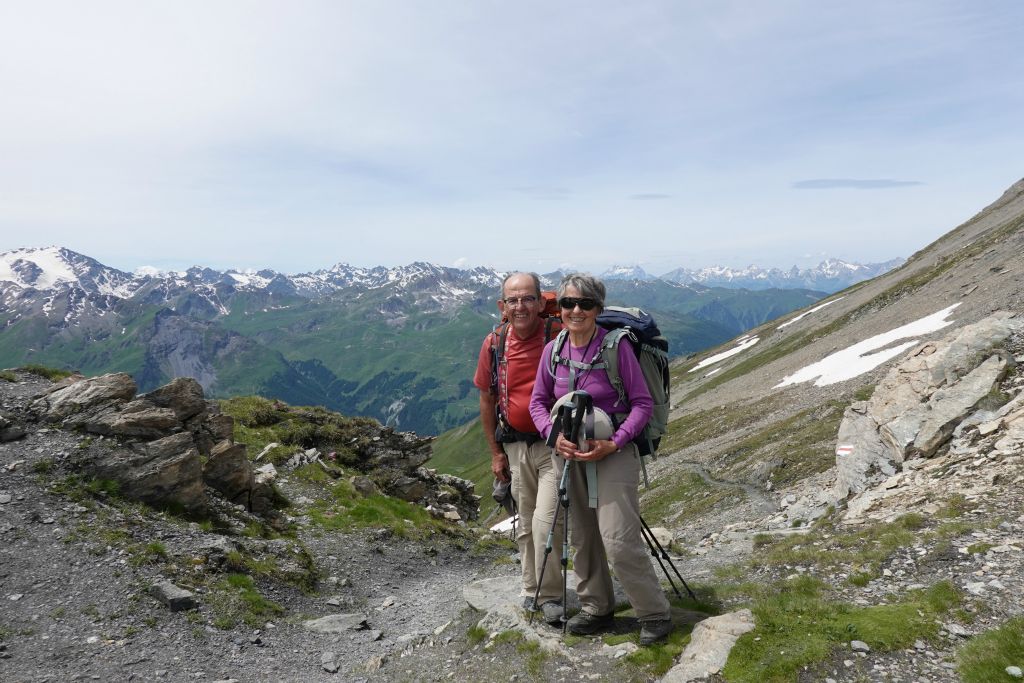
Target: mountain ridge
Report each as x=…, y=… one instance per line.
x=352, y=339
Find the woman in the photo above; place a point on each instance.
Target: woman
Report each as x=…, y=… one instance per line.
x=613, y=528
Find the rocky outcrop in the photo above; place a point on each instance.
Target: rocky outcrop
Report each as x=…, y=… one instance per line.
x=933, y=411
x=916, y=408
x=159, y=438
x=166, y=446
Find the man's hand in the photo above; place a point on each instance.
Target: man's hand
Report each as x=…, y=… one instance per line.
x=499, y=466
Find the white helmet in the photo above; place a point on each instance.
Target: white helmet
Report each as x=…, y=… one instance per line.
x=601, y=428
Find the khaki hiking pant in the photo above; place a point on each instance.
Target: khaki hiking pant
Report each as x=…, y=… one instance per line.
x=535, y=488
x=612, y=531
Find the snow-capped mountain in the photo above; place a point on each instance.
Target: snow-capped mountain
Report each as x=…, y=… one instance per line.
x=54, y=268
x=395, y=343
x=56, y=274
x=626, y=273
x=830, y=275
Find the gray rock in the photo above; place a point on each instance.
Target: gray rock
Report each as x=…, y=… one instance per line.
x=8, y=434
x=949, y=405
x=956, y=630
x=177, y=599
x=229, y=471
x=408, y=488
x=859, y=646
x=862, y=459
x=183, y=396
x=135, y=419
x=329, y=662
x=709, y=647
x=337, y=623
x=1014, y=671
x=918, y=405
x=364, y=485
x=164, y=471
x=85, y=394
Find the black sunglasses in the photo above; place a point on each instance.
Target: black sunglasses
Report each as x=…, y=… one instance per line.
x=571, y=302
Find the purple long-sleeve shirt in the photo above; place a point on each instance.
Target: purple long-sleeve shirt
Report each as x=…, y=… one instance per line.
x=547, y=389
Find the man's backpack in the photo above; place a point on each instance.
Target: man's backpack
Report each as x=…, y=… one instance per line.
x=651, y=349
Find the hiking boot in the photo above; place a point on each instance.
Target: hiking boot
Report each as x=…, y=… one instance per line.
x=552, y=612
x=528, y=604
x=653, y=631
x=585, y=623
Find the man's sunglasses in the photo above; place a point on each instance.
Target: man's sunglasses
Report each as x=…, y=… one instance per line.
x=571, y=302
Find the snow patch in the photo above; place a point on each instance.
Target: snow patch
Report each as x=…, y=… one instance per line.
x=741, y=346
x=806, y=313
x=858, y=359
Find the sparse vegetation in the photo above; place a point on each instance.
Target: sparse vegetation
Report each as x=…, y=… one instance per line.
x=8, y=376
x=864, y=393
x=797, y=626
x=985, y=657
x=686, y=496
x=476, y=634
x=235, y=599
x=260, y=422
x=346, y=509
x=52, y=374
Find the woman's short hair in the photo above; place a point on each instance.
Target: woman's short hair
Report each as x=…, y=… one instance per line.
x=586, y=284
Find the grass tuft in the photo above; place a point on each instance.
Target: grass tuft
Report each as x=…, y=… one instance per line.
x=797, y=627
x=52, y=374
x=985, y=657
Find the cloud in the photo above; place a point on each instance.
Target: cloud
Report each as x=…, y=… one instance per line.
x=650, y=196
x=460, y=262
x=850, y=183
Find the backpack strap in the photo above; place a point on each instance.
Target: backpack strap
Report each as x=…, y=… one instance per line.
x=499, y=340
x=610, y=357
x=574, y=365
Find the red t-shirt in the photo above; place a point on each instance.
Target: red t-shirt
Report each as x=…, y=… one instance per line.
x=515, y=381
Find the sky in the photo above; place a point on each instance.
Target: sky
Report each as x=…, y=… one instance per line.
x=517, y=135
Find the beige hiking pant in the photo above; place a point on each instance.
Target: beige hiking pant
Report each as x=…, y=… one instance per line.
x=535, y=488
x=612, y=531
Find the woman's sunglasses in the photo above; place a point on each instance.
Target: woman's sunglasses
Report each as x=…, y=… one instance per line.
x=571, y=302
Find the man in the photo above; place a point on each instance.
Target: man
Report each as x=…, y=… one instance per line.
x=516, y=447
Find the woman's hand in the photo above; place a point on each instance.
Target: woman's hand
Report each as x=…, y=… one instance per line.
x=598, y=449
x=566, y=449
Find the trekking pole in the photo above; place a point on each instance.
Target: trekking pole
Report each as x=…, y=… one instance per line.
x=550, y=541
x=563, y=494
x=515, y=518
x=581, y=403
x=665, y=556
x=654, y=554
